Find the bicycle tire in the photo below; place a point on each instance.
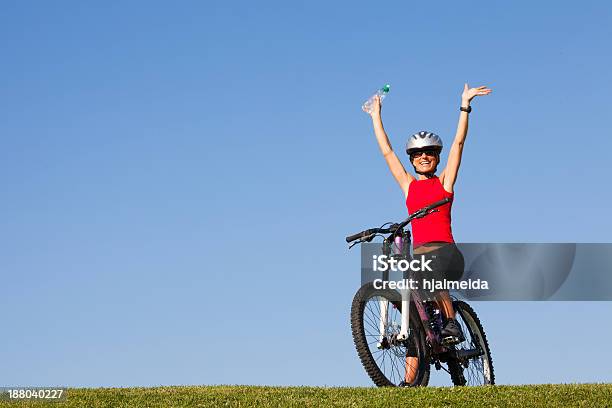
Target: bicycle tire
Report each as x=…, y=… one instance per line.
x=476, y=332
x=365, y=294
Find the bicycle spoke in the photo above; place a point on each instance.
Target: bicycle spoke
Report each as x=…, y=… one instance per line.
x=389, y=360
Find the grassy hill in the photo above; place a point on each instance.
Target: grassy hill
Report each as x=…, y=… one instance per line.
x=566, y=395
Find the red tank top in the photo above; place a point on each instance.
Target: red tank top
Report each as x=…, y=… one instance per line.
x=436, y=227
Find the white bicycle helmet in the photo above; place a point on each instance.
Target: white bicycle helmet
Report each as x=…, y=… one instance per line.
x=423, y=140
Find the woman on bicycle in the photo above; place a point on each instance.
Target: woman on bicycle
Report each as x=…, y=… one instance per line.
x=432, y=234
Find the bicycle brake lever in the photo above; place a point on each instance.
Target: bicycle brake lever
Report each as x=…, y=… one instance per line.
x=426, y=213
x=369, y=238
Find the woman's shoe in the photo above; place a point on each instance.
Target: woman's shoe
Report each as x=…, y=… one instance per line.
x=451, y=333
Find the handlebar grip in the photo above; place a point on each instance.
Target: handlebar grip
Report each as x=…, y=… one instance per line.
x=358, y=235
x=439, y=203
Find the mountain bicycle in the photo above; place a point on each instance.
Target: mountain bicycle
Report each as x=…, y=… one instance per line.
x=397, y=332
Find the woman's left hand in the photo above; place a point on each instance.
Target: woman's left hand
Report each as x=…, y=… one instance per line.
x=470, y=93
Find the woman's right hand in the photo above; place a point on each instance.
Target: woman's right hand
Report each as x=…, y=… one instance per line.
x=374, y=107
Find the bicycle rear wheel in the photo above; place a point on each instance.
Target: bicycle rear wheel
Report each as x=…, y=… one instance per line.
x=384, y=358
x=475, y=370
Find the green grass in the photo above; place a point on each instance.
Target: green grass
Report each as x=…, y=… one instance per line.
x=566, y=395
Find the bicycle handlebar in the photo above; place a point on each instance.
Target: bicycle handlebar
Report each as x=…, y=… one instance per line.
x=395, y=227
x=358, y=235
x=371, y=231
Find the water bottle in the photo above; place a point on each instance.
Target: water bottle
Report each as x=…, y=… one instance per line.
x=382, y=92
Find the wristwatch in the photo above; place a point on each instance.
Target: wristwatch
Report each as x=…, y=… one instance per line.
x=468, y=109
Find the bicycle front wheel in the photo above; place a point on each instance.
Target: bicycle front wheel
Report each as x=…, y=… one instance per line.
x=375, y=324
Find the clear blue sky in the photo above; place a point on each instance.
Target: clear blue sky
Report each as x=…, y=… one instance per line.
x=177, y=179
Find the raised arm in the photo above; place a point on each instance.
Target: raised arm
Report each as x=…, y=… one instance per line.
x=397, y=169
x=449, y=174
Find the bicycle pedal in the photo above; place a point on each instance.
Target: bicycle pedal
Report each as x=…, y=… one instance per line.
x=451, y=341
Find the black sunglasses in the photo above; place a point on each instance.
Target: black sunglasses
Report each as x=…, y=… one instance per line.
x=418, y=153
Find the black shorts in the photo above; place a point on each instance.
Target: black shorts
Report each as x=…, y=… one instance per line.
x=446, y=262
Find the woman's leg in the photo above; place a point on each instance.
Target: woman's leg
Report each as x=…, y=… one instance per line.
x=412, y=365
x=452, y=271
x=446, y=304
x=452, y=265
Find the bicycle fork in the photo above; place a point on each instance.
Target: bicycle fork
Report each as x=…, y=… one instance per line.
x=405, y=311
x=404, y=328
x=384, y=322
